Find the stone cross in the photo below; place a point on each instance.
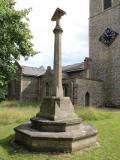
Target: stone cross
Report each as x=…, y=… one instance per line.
x=56, y=128
x=57, y=89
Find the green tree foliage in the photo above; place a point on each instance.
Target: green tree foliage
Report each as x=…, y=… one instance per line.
x=15, y=40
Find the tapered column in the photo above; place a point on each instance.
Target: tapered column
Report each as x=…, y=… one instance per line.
x=57, y=88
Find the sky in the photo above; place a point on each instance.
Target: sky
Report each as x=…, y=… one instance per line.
x=74, y=24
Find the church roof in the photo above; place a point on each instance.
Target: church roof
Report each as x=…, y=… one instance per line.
x=73, y=67
x=33, y=71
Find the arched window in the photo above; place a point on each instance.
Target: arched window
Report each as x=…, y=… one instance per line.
x=65, y=89
x=87, y=99
x=47, y=89
x=107, y=4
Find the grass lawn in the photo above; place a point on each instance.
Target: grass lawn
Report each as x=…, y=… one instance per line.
x=107, y=123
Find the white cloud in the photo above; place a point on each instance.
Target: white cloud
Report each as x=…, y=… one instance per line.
x=74, y=24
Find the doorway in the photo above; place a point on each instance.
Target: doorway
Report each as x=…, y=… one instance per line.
x=87, y=99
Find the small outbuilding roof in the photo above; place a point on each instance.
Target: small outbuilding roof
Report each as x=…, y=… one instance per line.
x=33, y=71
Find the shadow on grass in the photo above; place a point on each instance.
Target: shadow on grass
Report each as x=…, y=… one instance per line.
x=12, y=148
x=6, y=143
x=9, y=145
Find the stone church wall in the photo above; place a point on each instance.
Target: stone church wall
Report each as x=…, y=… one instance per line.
x=77, y=89
x=14, y=86
x=29, y=88
x=95, y=90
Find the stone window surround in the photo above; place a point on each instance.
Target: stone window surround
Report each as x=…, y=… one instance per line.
x=113, y=6
x=47, y=89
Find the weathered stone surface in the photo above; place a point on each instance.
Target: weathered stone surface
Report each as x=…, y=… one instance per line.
x=105, y=60
x=56, y=108
x=78, y=87
x=57, y=87
x=69, y=141
x=55, y=126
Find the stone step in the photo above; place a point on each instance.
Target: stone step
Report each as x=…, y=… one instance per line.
x=55, y=126
x=70, y=141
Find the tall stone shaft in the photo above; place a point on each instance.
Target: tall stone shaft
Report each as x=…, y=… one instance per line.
x=57, y=90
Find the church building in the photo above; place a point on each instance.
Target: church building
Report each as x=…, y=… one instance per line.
x=104, y=47
x=96, y=81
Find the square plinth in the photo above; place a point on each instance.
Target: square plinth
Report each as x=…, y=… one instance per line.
x=70, y=141
x=57, y=108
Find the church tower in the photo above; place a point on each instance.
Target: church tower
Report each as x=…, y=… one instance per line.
x=104, y=44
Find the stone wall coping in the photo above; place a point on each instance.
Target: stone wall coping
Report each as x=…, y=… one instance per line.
x=83, y=79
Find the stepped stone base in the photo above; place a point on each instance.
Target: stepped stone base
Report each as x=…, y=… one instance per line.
x=56, y=128
x=70, y=141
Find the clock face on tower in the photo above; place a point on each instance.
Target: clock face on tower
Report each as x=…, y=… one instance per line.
x=108, y=37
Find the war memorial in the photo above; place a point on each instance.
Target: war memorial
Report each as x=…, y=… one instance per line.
x=56, y=128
